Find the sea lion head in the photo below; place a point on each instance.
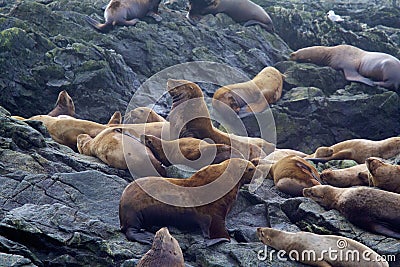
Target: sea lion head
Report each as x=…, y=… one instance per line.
x=327, y=176
x=183, y=90
x=323, y=152
x=138, y=115
x=268, y=235
x=373, y=164
x=152, y=142
x=82, y=143
x=324, y=195
x=163, y=240
x=64, y=105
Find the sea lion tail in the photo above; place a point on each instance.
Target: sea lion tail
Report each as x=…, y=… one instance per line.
x=97, y=25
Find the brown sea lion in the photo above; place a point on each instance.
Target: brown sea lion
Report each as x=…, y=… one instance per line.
x=371, y=68
x=372, y=209
x=64, y=105
x=112, y=148
x=143, y=115
x=116, y=118
x=358, y=150
x=292, y=174
x=304, y=243
x=384, y=175
x=140, y=210
x=190, y=118
x=356, y=175
x=189, y=151
x=126, y=13
x=65, y=129
x=251, y=96
x=239, y=10
x=164, y=252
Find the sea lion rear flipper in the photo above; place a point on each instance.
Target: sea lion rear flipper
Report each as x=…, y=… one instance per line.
x=154, y=15
x=381, y=228
x=134, y=234
x=97, y=25
x=354, y=76
x=268, y=27
x=307, y=169
x=211, y=242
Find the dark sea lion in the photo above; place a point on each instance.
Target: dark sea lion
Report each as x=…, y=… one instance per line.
x=164, y=252
x=143, y=115
x=126, y=13
x=139, y=210
x=189, y=115
x=372, y=209
x=64, y=105
x=347, y=177
x=251, y=96
x=189, y=151
x=239, y=10
x=319, y=245
x=112, y=148
x=358, y=150
x=292, y=174
x=384, y=175
x=371, y=68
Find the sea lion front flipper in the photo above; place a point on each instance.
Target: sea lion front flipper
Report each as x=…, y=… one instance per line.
x=194, y=20
x=131, y=22
x=383, y=229
x=354, y=76
x=154, y=15
x=212, y=242
x=134, y=234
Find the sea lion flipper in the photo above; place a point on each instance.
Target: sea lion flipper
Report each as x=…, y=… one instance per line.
x=134, y=234
x=381, y=228
x=268, y=27
x=97, y=25
x=212, y=242
x=194, y=20
x=354, y=76
x=154, y=15
x=131, y=22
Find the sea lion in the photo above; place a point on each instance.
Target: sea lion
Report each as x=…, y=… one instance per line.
x=251, y=96
x=189, y=151
x=65, y=129
x=370, y=68
x=319, y=245
x=358, y=150
x=116, y=118
x=372, y=209
x=190, y=118
x=126, y=13
x=143, y=115
x=118, y=152
x=347, y=177
x=239, y=10
x=139, y=210
x=64, y=105
x=292, y=174
x=165, y=252
x=384, y=175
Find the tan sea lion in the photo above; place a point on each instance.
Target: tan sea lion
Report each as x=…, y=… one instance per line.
x=354, y=254
x=372, y=209
x=292, y=174
x=64, y=105
x=239, y=10
x=371, y=68
x=164, y=252
x=143, y=115
x=189, y=151
x=18, y=118
x=65, y=129
x=139, y=210
x=251, y=96
x=358, y=150
x=190, y=118
x=356, y=175
x=116, y=118
x=126, y=13
x=112, y=148
x=384, y=175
